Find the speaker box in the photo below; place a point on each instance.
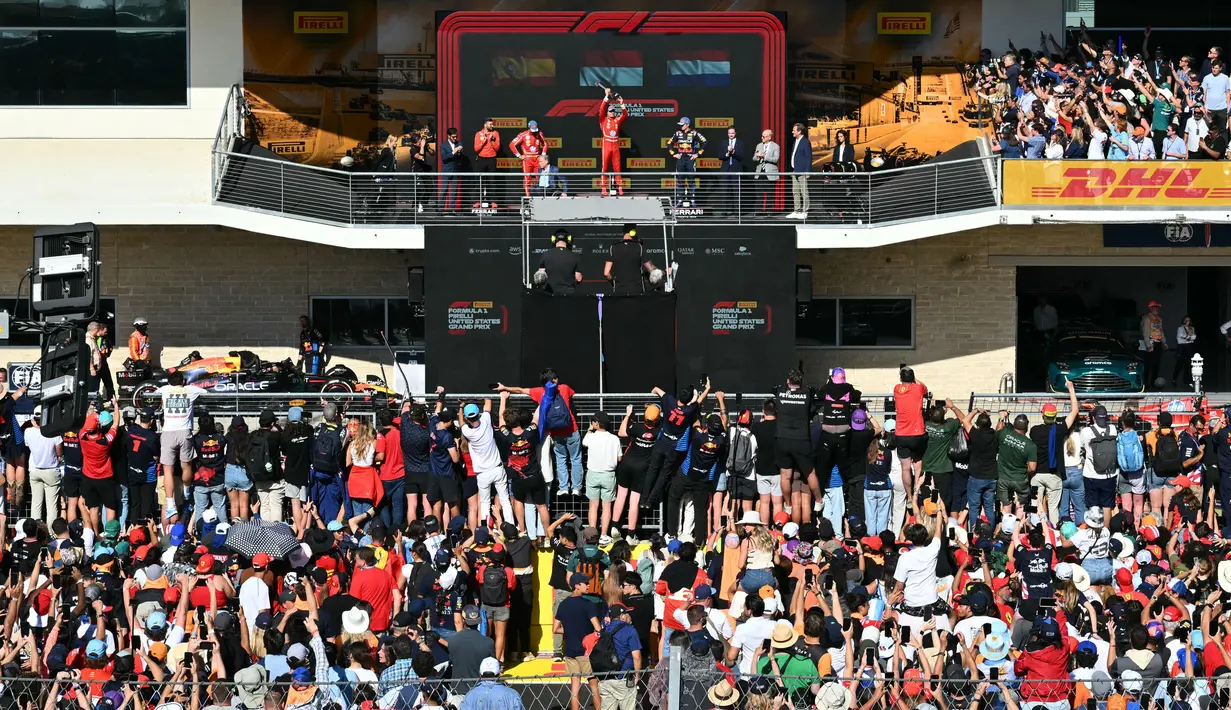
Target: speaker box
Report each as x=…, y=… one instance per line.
x=414, y=284
x=803, y=284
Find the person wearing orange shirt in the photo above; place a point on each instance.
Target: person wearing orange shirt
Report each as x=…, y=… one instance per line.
x=486, y=147
x=139, y=358
x=911, y=434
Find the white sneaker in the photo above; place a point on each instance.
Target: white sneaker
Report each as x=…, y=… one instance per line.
x=818, y=506
x=604, y=540
x=801, y=215
x=576, y=491
x=786, y=509
x=793, y=215
x=632, y=540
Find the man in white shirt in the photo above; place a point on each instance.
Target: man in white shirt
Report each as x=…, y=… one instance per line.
x=1100, y=485
x=916, y=577
x=752, y=633
x=1195, y=129
x=178, y=401
x=1046, y=320
x=604, y=453
x=488, y=467
x=967, y=629
x=44, y=470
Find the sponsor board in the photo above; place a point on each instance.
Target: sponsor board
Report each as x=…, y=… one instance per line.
x=1107, y=183
x=509, y=122
x=597, y=142
x=25, y=374
x=472, y=316
x=508, y=163
x=321, y=23
x=904, y=23
x=709, y=163
x=832, y=73
x=582, y=163
x=288, y=147
x=727, y=317
x=635, y=109
x=714, y=123
x=554, y=142
x=646, y=163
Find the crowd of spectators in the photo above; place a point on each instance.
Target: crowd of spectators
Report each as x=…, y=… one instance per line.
x=1105, y=101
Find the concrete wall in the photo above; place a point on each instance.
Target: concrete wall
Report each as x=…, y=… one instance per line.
x=94, y=163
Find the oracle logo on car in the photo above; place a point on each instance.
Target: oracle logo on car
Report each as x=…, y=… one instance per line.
x=904, y=23
x=321, y=23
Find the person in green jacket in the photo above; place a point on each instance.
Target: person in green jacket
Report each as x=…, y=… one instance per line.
x=789, y=661
x=1016, y=459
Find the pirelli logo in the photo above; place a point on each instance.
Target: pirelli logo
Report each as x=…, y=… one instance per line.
x=507, y=163
x=745, y=304
x=597, y=142
x=596, y=183
x=585, y=163
x=554, y=142
x=509, y=122
x=715, y=122
x=646, y=163
x=667, y=183
x=709, y=163
x=321, y=23
x=288, y=147
x=485, y=304
x=904, y=23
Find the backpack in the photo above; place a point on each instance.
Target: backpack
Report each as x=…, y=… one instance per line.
x=604, y=658
x=1167, y=460
x=1129, y=453
x=495, y=588
x=257, y=460
x=327, y=450
x=739, y=455
x=959, y=447
x=558, y=416
x=592, y=568
x=1104, y=451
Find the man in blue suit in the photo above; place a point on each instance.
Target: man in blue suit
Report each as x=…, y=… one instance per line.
x=551, y=182
x=801, y=165
x=732, y=165
x=452, y=162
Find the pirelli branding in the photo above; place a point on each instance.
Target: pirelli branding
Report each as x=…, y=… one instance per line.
x=288, y=147
x=597, y=142
x=709, y=163
x=715, y=122
x=646, y=163
x=321, y=23
x=904, y=23
x=508, y=163
x=509, y=122
x=596, y=183
x=583, y=163
x=554, y=143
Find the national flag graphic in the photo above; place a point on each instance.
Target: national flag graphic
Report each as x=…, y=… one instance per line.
x=954, y=25
x=709, y=67
x=612, y=67
x=524, y=67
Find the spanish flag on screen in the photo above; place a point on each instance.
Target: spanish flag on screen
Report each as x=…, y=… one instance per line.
x=524, y=67
x=705, y=67
x=613, y=68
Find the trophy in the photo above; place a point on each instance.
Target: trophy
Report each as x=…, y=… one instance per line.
x=606, y=87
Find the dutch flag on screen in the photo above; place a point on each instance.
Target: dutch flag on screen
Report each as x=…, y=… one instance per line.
x=707, y=67
x=613, y=68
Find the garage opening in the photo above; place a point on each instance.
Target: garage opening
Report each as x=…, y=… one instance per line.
x=1084, y=323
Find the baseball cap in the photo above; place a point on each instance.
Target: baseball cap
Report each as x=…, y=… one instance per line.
x=294, y=414
x=703, y=591
x=685, y=121
x=470, y=411
x=859, y=420
x=533, y=125
x=578, y=578
x=482, y=536
x=111, y=530
x=782, y=517
x=489, y=667
x=297, y=652
x=147, y=414
x=790, y=530
x=260, y=561
x=140, y=321
x=838, y=376
x=470, y=613
x=105, y=418
x=1049, y=410
x=652, y=413
x=334, y=526
x=95, y=649
x=617, y=609
x=156, y=621
x=177, y=534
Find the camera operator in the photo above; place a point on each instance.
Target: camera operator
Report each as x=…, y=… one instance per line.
x=559, y=268
x=627, y=265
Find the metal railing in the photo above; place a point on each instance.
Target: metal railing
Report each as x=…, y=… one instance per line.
x=849, y=195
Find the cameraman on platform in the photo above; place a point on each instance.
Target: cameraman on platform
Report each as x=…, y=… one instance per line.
x=627, y=266
x=559, y=268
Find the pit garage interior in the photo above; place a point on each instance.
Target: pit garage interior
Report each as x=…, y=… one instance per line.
x=1109, y=300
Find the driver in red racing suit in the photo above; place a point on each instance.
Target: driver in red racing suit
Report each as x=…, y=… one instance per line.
x=610, y=118
x=528, y=146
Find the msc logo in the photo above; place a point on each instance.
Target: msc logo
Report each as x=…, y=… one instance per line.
x=1131, y=184
x=509, y=122
x=904, y=23
x=588, y=163
x=288, y=147
x=321, y=23
x=715, y=122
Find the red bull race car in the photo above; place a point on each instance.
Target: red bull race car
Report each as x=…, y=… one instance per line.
x=244, y=371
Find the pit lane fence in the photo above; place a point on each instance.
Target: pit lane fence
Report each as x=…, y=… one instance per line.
x=671, y=685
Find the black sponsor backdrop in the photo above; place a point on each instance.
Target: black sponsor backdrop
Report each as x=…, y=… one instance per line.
x=560, y=333
x=736, y=265
x=465, y=265
x=746, y=349
x=741, y=101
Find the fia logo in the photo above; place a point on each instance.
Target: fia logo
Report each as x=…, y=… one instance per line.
x=1179, y=233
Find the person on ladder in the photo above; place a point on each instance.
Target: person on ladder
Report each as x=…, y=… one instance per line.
x=611, y=117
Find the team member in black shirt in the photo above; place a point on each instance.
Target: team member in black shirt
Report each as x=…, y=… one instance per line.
x=560, y=266
x=983, y=446
x=209, y=469
x=627, y=265
x=631, y=470
x=769, y=482
x=706, y=452
x=865, y=430
x=793, y=451
x=70, y=451
x=834, y=448
x=143, y=446
x=680, y=412
x=416, y=447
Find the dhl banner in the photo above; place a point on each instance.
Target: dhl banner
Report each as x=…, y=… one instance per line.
x=1107, y=183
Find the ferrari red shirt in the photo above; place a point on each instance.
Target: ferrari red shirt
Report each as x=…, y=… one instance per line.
x=96, y=454
x=908, y=402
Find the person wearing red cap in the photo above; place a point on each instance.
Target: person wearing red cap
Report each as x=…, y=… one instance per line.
x=1153, y=342
x=1049, y=439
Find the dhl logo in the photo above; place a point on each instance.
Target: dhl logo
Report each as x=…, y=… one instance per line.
x=1159, y=184
x=321, y=22
x=509, y=122
x=646, y=163
x=589, y=163
x=596, y=183
x=507, y=163
x=715, y=122
x=597, y=143
x=904, y=23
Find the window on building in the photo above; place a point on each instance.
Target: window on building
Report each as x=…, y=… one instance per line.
x=20, y=308
x=93, y=52
x=358, y=322
x=856, y=323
